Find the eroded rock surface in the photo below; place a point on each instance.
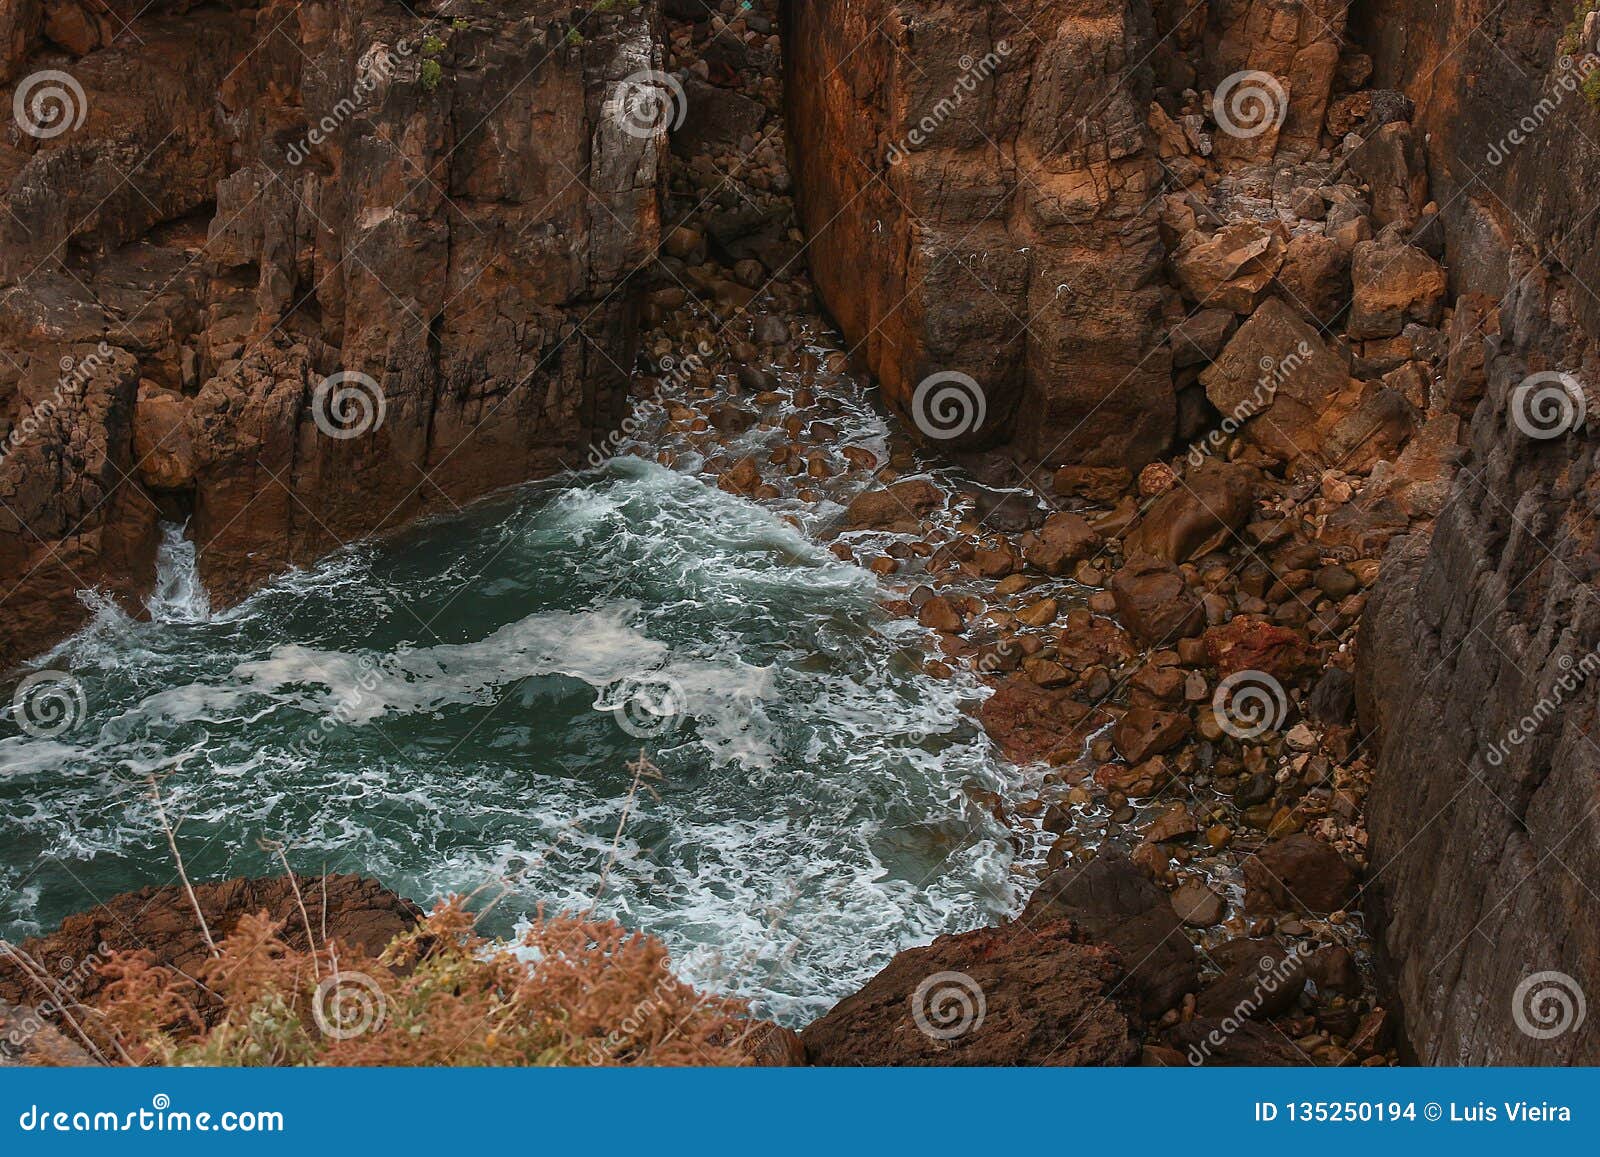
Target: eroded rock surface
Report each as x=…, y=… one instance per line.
x=441, y=202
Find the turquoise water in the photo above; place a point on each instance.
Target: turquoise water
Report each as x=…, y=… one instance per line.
x=460, y=705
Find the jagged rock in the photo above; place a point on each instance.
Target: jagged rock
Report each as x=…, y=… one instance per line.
x=1231, y=270
x=1297, y=873
x=898, y=195
x=1155, y=603
x=1021, y=994
x=1111, y=900
x=1390, y=162
x=1198, y=516
x=1315, y=277
x=1394, y=283
x=1279, y=379
x=1199, y=338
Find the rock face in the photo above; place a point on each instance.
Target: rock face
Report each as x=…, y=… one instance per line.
x=1479, y=643
x=977, y=184
x=445, y=210
x=1016, y=995
x=161, y=921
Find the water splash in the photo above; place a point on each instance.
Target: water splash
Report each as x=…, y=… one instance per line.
x=179, y=595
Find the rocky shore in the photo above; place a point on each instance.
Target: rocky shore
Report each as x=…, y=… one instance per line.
x=1218, y=356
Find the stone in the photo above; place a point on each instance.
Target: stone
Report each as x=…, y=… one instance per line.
x=1143, y=732
x=1297, y=873
x=897, y=507
x=1022, y=994
x=1197, y=905
x=1278, y=379
x=1154, y=601
x=1112, y=901
x=1393, y=283
x=1230, y=270
x=1064, y=539
x=1198, y=516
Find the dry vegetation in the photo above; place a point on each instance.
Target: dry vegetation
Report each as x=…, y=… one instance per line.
x=581, y=992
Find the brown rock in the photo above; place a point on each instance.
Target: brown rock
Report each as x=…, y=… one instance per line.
x=1143, y=732
x=1298, y=873
x=1394, y=283
x=1232, y=269
x=1063, y=540
x=1199, y=515
x=1015, y=995
x=1112, y=900
x=898, y=507
x=1155, y=602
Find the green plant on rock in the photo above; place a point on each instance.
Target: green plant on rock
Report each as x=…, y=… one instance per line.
x=432, y=73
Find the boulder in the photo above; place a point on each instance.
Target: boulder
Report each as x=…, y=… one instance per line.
x=1143, y=732
x=1231, y=270
x=1298, y=873
x=1155, y=603
x=1021, y=994
x=1113, y=901
x=1064, y=539
x=898, y=507
x=1393, y=283
x=1278, y=379
x=1197, y=516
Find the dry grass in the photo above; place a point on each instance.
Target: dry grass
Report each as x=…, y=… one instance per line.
x=582, y=991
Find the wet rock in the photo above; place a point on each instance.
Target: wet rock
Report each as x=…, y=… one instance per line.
x=1046, y=994
x=1198, y=516
x=901, y=506
x=1197, y=905
x=1095, y=483
x=1143, y=732
x=1063, y=540
x=939, y=614
x=1155, y=602
x=1259, y=981
x=1298, y=873
x=1112, y=900
x=1031, y=723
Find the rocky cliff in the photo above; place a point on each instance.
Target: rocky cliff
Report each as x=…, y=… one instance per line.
x=1477, y=650
x=300, y=271
x=977, y=185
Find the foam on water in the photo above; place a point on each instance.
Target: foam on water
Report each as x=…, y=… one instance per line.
x=445, y=709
